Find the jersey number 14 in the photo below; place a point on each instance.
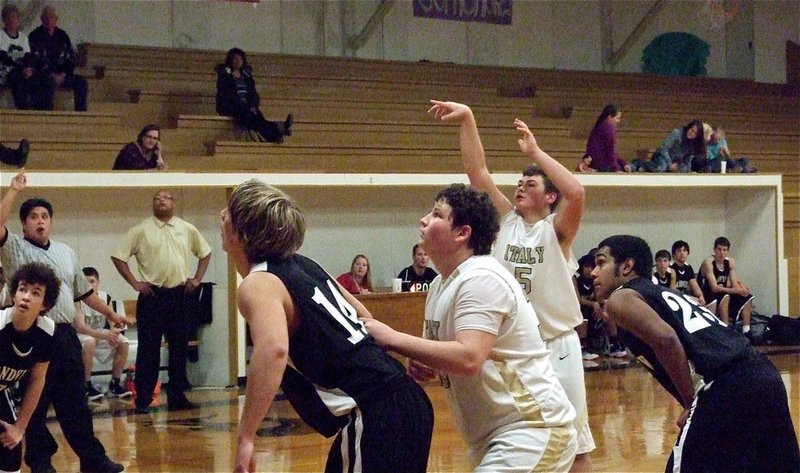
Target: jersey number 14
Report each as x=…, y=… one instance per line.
x=345, y=313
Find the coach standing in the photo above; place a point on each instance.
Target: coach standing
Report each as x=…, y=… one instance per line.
x=162, y=245
x=64, y=381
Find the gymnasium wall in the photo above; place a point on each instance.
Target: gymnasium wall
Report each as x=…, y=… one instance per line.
x=544, y=34
x=381, y=222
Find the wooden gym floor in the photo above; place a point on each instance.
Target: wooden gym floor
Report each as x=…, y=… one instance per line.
x=632, y=419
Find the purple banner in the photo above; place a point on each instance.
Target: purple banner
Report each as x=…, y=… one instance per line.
x=486, y=11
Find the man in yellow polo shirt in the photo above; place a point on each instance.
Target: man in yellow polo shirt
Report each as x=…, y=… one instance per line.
x=163, y=246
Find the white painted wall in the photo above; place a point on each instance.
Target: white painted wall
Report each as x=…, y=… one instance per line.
x=560, y=34
x=380, y=220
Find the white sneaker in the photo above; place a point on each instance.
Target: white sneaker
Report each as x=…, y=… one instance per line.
x=618, y=353
x=590, y=364
x=588, y=356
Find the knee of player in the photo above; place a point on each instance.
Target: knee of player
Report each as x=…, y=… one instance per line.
x=89, y=344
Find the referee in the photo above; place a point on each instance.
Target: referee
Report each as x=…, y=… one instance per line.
x=64, y=381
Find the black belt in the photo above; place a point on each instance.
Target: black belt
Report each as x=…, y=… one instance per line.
x=162, y=290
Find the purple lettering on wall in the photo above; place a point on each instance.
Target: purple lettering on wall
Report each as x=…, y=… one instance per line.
x=485, y=11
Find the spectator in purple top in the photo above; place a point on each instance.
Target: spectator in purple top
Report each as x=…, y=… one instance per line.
x=142, y=154
x=602, y=144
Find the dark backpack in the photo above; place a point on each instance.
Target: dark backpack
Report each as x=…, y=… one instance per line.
x=782, y=330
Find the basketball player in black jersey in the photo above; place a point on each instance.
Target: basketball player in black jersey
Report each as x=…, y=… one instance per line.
x=26, y=341
x=718, y=280
x=307, y=337
x=738, y=419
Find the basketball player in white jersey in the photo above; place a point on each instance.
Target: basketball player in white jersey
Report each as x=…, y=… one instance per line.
x=534, y=244
x=482, y=341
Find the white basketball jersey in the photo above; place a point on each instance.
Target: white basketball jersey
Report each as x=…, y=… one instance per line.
x=532, y=254
x=516, y=386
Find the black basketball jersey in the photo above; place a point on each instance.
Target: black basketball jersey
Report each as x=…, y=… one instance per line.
x=710, y=345
x=658, y=280
x=720, y=275
x=333, y=360
x=683, y=274
x=585, y=287
x=19, y=351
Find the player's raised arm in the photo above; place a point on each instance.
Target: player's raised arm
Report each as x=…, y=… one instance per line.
x=573, y=195
x=472, y=153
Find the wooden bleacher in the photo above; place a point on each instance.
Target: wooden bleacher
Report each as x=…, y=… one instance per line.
x=355, y=115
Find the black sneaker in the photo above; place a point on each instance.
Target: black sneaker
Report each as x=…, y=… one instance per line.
x=287, y=125
x=141, y=410
x=22, y=152
x=105, y=466
x=181, y=405
x=92, y=393
x=115, y=389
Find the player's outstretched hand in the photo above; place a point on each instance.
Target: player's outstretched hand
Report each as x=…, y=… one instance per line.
x=244, y=458
x=527, y=144
x=11, y=436
x=20, y=181
x=449, y=111
x=381, y=332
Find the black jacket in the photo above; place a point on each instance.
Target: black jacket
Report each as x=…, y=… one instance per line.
x=228, y=100
x=55, y=52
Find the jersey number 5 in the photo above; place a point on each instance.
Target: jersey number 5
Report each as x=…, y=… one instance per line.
x=345, y=313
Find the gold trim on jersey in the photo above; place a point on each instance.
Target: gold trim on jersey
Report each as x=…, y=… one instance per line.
x=556, y=445
x=523, y=398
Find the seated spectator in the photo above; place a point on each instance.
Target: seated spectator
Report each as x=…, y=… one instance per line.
x=602, y=143
x=100, y=342
x=680, y=147
x=237, y=97
x=685, y=278
x=359, y=279
x=592, y=327
x=701, y=163
x=53, y=48
x=144, y=153
x=418, y=276
x=15, y=157
x=19, y=68
x=585, y=165
x=718, y=281
x=663, y=274
x=718, y=151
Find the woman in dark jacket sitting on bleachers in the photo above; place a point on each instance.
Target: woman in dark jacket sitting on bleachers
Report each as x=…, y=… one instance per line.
x=237, y=98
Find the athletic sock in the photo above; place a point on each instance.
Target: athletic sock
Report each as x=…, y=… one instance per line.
x=745, y=328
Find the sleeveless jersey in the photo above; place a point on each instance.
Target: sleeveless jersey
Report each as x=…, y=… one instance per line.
x=516, y=386
x=19, y=351
x=683, y=274
x=532, y=254
x=334, y=365
x=663, y=282
x=585, y=287
x=720, y=275
x=710, y=345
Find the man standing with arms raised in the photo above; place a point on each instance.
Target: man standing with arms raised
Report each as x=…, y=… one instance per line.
x=535, y=245
x=162, y=246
